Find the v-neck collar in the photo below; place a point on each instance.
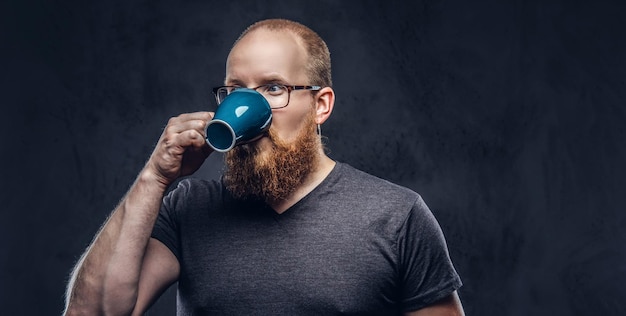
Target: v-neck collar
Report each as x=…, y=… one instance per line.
x=331, y=178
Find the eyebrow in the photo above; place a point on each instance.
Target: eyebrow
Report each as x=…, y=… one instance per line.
x=270, y=79
x=234, y=82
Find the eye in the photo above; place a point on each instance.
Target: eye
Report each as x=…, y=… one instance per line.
x=275, y=89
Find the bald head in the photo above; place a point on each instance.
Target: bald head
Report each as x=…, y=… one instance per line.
x=317, y=66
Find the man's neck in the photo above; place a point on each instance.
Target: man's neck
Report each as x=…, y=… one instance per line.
x=324, y=166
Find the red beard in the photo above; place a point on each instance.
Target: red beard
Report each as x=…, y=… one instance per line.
x=275, y=174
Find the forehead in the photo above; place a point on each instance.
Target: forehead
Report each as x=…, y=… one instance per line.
x=264, y=55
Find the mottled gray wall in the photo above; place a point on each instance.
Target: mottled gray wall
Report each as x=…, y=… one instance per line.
x=507, y=116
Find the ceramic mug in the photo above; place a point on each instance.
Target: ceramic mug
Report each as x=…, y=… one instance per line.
x=243, y=116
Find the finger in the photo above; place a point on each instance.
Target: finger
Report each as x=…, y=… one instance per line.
x=180, y=126
x=204, y=116
x=197, y=121
x=189, y=138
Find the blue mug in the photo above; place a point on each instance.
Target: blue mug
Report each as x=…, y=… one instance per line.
x=242, y=117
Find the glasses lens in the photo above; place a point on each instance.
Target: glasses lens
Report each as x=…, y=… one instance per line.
x=276, y=95
x=221, y=94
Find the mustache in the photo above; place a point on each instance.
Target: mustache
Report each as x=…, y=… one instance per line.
x=252, y=148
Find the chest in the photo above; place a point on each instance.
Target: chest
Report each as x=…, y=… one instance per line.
x=287, y=265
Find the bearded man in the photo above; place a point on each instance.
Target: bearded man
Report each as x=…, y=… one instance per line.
x=286, y=231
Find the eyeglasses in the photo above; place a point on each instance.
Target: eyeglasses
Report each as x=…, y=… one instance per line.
x=277, y=95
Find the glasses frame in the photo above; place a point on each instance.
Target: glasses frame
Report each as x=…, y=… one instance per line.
x=289, y=89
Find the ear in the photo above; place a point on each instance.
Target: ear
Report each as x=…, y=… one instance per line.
x=324, y=103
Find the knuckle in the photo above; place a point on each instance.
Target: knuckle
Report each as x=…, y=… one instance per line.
x=172, y=120
x=199, y=124
x=192, y=134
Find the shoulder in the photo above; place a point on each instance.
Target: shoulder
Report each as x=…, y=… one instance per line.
x=194, y=190
x=197, y=185
x=361, y=195
x=365, y=184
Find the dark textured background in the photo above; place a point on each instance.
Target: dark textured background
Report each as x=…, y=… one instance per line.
x=507, y=116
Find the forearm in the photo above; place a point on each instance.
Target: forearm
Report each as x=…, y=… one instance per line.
x=107, y=275
x=106, y=279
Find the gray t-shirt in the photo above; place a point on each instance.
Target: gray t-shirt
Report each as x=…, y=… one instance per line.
x=355, y=245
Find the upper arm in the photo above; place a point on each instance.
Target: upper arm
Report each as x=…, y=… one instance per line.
x=159, y=270
x=448, y=306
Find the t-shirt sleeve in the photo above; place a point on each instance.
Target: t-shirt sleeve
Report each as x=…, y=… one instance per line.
x=166, y=226
x=426, y=270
